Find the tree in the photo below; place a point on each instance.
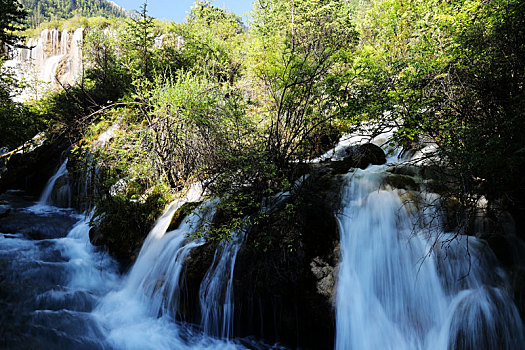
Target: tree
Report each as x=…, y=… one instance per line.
x=12, y=19
x=213, y=40
x=454, y=72
x=298, y=50
x=41, y=11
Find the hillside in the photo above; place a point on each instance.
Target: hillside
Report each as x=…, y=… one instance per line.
x=45, y=10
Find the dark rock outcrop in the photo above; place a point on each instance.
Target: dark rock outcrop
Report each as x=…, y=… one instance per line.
x=285, y=272
x=359, y=156
x=30, y=171
x=122, y=225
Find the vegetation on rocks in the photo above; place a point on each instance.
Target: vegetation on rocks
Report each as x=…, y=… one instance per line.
x=242, y=108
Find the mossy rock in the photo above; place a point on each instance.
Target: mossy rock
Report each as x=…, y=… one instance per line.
x=286, y=266
x=30, y=171
x=181, y=213
x=122, y=224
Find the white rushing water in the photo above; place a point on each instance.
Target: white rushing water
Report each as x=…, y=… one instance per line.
x=76, y=299
x=142, y=313
x=405, y=284
x=216, y=290
x=45, y=198
x=46, y=62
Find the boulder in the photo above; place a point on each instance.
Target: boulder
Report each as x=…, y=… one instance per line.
x=359, y=156
x=401, y=182
x=181, y=214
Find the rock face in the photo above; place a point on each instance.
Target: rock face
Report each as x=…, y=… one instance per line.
x=30, y=171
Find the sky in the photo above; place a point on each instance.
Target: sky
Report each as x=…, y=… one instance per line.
x=176, y=10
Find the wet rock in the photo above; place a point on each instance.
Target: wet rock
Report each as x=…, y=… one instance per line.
x=181, y=214
x=122, y=225
x=119, y=188
x=285, y=272
x=501, y=247
x=405, y=169
x=196, y=265
x=284, y=276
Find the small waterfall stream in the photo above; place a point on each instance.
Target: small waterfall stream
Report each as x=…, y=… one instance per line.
x=216, y=290
x=46, y=194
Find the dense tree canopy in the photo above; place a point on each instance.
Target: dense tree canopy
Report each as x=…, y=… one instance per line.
x=41, y=11
x=453, y=71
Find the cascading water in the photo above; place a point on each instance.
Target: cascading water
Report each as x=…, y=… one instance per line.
x=405, y=284
x=52, y=58
x=62, y=293
x=216, y=290
x=45, y=198
x=51, y=279
x=151, y=291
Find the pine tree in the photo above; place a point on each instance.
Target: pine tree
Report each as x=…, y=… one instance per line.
x=12, y=19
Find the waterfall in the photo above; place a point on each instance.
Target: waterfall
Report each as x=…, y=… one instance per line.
x=64, y=42
x=75, y=56
x=46, y=194
x=403, y=283
x=149, y=298
x=52, y=58
x=216, y=290
x=49, y=71
x=157, y=271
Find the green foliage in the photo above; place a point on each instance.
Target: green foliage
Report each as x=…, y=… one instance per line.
x=12, y=19
x=105, y=68
x=198, y=128
x=213, y=41
x=198, y=115
x=122, y=223
x=296, y=52
x=41, y=11
x=93, y=24
x=452, y=71
x=18, y=124
x=15, y=125
x=139, y=41
x=241, y=109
